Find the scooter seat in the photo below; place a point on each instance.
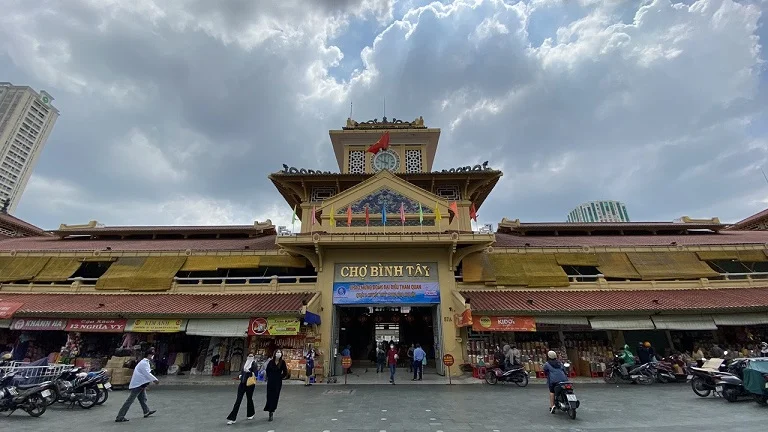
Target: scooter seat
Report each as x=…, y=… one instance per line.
x=27, y=386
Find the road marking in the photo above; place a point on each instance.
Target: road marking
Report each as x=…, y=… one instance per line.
x=383, y=419
x=428, y=410
x=383, y=410
x=341, y=410
x=433, y=419
x=334, y=419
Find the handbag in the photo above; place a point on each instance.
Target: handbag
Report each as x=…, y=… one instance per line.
x=424, y=361
x=251, y=381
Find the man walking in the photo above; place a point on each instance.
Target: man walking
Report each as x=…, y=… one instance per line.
x=141, y=378
x=418, y=362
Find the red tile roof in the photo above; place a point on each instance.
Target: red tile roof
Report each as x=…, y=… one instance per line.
x=141, y=305
x=723, y=238
x=26, y=227
x=749, y=220
x=56, y=244
x=586, y=302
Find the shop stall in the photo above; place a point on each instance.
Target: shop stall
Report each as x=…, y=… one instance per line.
x=266, y=334
x=173, y=348
x=221, y=343
x=90, y=342
x=36, y=338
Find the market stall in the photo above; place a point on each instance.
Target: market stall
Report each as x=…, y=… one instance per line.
x=266, y=334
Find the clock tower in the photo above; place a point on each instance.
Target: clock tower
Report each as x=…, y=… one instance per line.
x=412, y=146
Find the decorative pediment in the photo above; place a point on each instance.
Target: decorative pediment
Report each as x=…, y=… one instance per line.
x=385, y=198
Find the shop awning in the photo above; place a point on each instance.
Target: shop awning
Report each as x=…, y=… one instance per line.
x=7, y=308
x=747, y=319
x=621, y=323
x=562, y=320
x=684, y=322
x=157, y=305
x=218, y=327
x=635, y=302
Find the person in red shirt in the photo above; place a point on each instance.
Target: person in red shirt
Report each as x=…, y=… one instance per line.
x=392, y=362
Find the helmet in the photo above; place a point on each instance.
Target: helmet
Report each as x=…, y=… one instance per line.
x=647, y=344
x=552, y=355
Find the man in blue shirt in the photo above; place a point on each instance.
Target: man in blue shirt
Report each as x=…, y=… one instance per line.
x=418, y=362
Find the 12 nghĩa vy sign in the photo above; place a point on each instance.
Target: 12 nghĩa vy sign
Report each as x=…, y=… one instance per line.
x=386, y=283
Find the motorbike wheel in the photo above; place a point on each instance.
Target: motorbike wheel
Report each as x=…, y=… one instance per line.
x=645, y=379
x=90, y=396
x=761, y=400
x=52, y=399
x=698, y=387
x=572, y=413
x=523, y=382
x=103, y=396
x=35, y=406
x=730, y=395
x=610, y=377
x=490, y=378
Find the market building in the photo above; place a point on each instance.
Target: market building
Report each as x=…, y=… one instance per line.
x=386, y=252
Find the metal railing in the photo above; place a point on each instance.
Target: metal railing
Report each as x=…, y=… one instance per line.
x=247, y=280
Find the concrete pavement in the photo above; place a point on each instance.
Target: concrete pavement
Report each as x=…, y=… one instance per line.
x=435, y=408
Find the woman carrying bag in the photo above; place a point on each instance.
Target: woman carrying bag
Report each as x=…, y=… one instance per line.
x=247, y=385
x=277, y=371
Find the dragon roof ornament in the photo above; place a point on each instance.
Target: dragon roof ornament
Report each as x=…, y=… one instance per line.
x=385, y=124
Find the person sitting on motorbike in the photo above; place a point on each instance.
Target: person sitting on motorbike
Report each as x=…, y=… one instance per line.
x=555, y=374
x=648, y=354
x=628, y=360
x=511, y=357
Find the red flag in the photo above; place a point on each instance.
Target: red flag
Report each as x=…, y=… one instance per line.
x=454, y=207
x=314, y=215
x=381, y=144
x=402, y=213
x=367, y=217
x=473, y=212
x=349, y=216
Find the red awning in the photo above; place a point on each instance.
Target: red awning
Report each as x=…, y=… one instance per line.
x=7, y=308
x=584, y=302
x=140, y=305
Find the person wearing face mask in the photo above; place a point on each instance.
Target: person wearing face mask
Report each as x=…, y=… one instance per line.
x=392, y=357
x=277, y=371
x=249, y=370
x=141, y=378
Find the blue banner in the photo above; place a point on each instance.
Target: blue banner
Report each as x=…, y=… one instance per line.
x=370, y=293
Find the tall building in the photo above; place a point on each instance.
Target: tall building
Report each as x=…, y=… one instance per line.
x=599, y=211
x=26, y=120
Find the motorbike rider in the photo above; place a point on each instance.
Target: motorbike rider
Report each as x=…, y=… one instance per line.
x=555, y=374
x=628, y=360
x=511, y=356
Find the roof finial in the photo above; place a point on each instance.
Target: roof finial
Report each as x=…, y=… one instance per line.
x=6, y=203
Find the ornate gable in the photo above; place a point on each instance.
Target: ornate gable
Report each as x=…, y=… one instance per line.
x=385, y=197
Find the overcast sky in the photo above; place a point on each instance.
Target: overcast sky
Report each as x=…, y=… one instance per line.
x=175, y=112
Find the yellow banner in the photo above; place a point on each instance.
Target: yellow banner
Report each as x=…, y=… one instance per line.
x=158, y=325
x=283, y=326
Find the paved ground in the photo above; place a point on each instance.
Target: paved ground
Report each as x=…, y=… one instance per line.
x=413, y=408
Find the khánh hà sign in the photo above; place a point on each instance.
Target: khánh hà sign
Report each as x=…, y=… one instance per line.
x=96, y=325
x=503, y=323
x=8, y=308
x=274, y=326
x=157, y=325
x=39, y=324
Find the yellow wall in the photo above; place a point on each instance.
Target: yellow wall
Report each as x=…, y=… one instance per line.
x=448, y=344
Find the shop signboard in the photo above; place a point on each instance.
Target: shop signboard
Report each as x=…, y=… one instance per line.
x=386, y=283
x=8, y=308
x=504, y=323
x=96, y=325
x=40, y=324
x=157, y=325
x=274, y=326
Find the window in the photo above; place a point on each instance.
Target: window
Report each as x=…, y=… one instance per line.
x=357, y=162
x=581, y=273
x=413, y=161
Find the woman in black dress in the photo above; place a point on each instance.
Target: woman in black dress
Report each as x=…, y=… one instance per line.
x=277, y=371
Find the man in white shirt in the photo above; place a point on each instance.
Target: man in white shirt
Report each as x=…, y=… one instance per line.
x=142, y=377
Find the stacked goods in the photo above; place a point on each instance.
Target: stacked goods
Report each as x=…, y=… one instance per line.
x=119, y=374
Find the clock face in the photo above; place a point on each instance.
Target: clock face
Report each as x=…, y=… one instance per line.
x=386, y=160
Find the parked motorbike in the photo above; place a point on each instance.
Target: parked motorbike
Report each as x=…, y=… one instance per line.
x=642, y=374
x=515, y=374
x=704, y=381
x=27, y=397
x=565, y=399
x=104, y=386
x=756, y=379
x=74, y=386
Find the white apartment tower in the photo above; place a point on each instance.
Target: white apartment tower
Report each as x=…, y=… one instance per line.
x=26, y=120
x=599, y=211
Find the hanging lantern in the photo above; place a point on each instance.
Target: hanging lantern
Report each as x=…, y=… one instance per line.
x=379, y=318
x=409, y=318
x=345, y=320
x=363, y=319
x=395, y=318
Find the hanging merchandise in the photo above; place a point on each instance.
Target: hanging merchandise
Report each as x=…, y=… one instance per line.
x=71, y=349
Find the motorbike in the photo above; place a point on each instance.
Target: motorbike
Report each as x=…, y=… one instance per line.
x=515, y=374
x=641, y=374
x=731, y=387
x=756, y=379
x=104, y=386
x=27, y=397
x=74, y=386
x=565, y=399
x=704, y=381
